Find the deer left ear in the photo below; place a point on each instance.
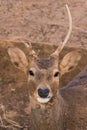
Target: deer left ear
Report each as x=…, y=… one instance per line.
x=69, y=62
x=18, y=58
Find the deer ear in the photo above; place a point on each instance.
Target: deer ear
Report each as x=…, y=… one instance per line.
x=18, y=58
x=69, y=62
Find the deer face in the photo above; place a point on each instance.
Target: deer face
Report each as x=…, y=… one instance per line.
x=43, y=77
x=43, y=73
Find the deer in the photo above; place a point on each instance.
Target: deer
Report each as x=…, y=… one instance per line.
x=47, y=106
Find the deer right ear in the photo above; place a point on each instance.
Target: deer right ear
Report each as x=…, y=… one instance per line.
x=18, y=58
x=69, y=62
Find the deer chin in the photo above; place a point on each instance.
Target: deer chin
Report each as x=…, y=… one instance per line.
x=44, y=100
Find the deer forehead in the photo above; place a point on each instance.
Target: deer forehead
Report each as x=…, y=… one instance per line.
x=46, y=63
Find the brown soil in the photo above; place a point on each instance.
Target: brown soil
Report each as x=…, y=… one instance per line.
x=43, y=22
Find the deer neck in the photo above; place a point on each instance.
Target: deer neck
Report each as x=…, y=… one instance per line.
x=48, y=117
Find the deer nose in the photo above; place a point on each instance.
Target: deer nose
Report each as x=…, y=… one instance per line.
x=43, y=93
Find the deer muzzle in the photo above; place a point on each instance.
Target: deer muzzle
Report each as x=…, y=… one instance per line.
x=44, y=95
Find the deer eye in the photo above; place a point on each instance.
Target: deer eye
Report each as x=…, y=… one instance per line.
x=56, y=74
x=31, y=73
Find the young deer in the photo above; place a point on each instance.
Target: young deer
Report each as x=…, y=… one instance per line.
x=47, y=105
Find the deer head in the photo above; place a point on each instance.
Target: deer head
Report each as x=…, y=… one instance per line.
x=43, y=73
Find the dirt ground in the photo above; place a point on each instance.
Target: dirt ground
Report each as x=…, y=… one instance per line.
x=44, y=24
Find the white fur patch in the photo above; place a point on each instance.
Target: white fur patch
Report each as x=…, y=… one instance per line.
x=43, y=100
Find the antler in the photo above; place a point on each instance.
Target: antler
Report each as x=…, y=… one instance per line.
x=70, y=27
x=59, y=49
x=31, y=51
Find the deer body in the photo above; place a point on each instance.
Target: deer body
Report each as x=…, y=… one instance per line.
x=47, y=105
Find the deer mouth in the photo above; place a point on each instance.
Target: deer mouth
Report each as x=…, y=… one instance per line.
x=44, y=100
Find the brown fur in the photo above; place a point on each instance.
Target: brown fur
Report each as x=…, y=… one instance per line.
x=45, y=63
